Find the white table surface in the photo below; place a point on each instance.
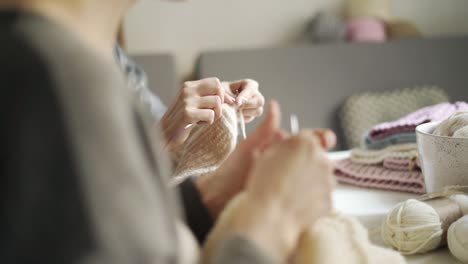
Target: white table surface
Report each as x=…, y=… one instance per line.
x=370, y=206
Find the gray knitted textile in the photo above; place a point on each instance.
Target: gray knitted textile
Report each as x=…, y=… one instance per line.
x=362, y=111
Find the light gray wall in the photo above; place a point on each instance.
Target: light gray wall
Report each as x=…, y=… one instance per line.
x=185, y=29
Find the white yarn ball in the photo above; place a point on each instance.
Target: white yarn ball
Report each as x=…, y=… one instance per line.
x=412, y=227
x=462, y=201
x=457, y=238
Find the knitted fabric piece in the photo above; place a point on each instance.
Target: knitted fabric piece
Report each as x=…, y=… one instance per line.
x=208, y=146
x=364, y=156
x=379, y=177
x=409, y=122
x=401, y=164
x=396, y=157
x=362, y=111
x=399, y=138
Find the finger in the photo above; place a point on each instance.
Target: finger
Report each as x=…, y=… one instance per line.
x=247, y=89
x=255, y=101
x=311, y=141
x=228, y=98
x=252, y=112
x=211, y=102
x=269, y=126
x=210, y=86
x=278, y=137
x=248, y=119
x=202, y=116
x=327, y=137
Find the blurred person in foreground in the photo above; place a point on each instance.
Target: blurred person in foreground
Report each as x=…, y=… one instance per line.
x=82, y=181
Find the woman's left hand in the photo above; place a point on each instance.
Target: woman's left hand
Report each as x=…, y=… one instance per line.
x=248, y=97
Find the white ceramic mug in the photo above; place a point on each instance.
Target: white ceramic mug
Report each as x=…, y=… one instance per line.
x=444, y=160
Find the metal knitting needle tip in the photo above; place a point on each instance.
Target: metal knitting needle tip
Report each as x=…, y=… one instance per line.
x=294, y=124
x=242, y=124
x=188, y=126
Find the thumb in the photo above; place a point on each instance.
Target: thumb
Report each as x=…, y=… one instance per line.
x=269, y=127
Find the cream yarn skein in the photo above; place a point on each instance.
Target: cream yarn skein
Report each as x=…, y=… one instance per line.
x=457, y=239
x=412, y=227
x=415, y=226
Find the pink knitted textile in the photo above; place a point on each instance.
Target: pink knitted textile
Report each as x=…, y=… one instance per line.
x=366, y=29
x=400, y=164
x=409, y=122
x=379, y=177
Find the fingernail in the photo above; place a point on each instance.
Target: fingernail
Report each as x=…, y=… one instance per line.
x=239, y=101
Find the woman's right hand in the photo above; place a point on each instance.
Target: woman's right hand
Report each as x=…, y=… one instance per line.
x=289, y=189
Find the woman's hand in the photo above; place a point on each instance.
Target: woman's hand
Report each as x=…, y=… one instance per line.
x=248, y=97
x=220, y=186
x=288, y=190
x=198, y=102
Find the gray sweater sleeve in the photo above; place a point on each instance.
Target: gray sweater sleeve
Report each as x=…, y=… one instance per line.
x=137, y=82
x=237, y=249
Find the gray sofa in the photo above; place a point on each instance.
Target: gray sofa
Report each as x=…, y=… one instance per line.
x=312, y=81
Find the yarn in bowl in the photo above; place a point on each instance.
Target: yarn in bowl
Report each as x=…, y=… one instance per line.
x=443, y=159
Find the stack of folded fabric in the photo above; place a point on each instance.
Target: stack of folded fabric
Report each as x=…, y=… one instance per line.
x=389, y=158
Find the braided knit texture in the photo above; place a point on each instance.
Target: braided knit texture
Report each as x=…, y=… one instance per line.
x=373, y=176
x=396, y=157
x=208, y=146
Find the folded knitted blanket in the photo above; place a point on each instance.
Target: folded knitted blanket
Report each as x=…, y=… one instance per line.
x=398, y=138
x=379, y=177
x=396, y=157
x=408, y=123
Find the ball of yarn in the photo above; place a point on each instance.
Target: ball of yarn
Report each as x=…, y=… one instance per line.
x=451, y=125
x=462, y=201
x=457, y=238
x=412, y=227
x=366, y=30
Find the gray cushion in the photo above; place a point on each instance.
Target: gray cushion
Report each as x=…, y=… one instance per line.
x=362, y=111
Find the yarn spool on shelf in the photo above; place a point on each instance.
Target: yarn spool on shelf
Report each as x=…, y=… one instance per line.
x=416, y=226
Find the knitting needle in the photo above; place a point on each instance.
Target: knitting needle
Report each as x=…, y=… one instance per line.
x=294, y=122
x=177, y=133
x=241, y=116
x=242, y=124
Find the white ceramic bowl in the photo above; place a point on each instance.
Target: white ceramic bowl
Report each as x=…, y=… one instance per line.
x=444, y=160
